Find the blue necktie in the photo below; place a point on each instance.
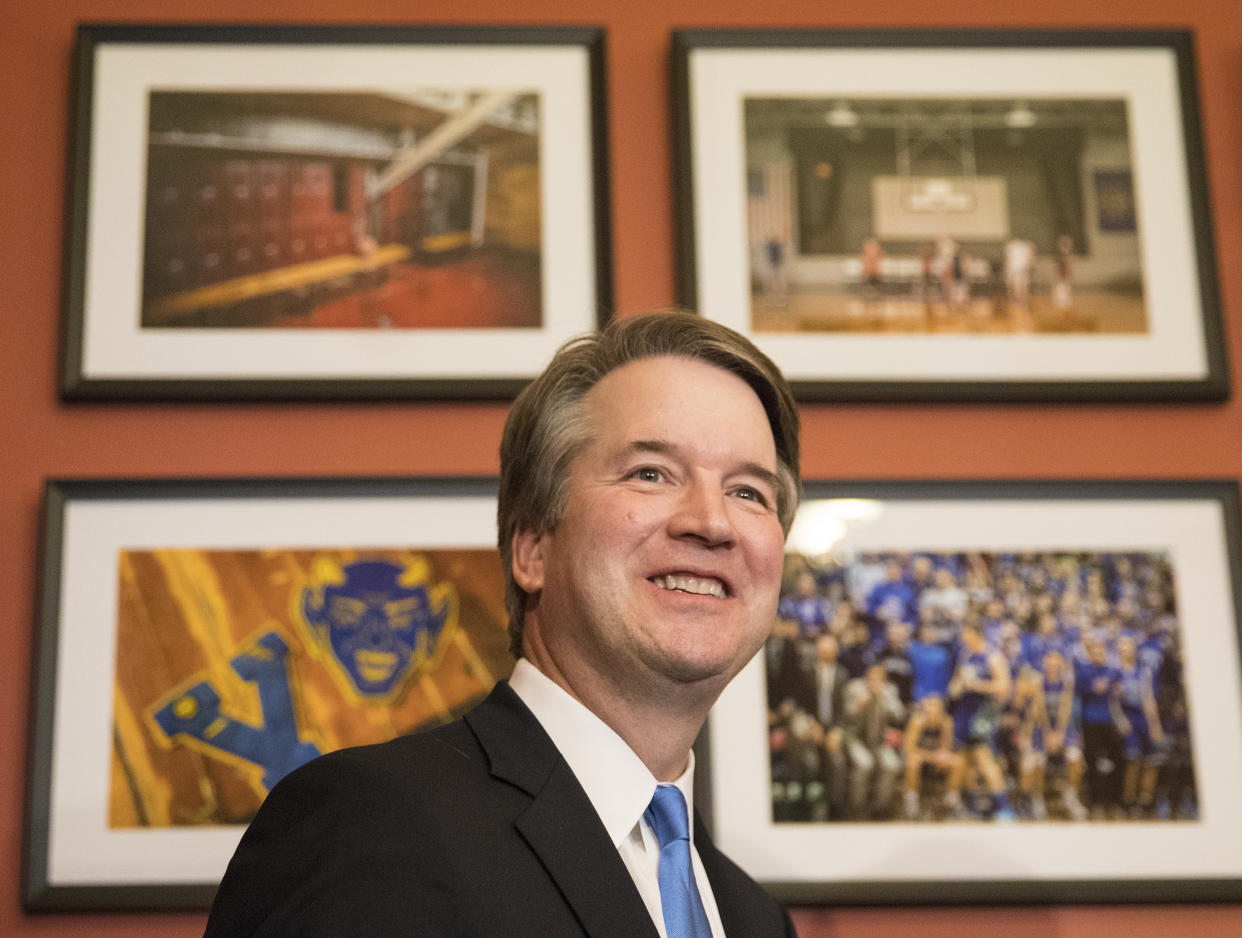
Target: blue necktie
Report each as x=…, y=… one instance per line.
x=679, y=895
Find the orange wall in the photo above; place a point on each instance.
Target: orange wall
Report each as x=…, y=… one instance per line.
x=41, y=437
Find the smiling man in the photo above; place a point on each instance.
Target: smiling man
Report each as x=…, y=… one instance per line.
x=648, y=478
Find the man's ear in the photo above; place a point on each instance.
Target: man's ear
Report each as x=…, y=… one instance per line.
x=528, y=548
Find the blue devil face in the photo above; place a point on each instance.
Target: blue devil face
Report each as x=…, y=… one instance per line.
x=379, y=620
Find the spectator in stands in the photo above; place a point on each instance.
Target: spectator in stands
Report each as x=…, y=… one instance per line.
x=872, y=732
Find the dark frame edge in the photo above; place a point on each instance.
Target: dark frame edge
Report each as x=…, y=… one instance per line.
x=682, y=149
x=601, y=177
x=1011, y=392
x=36, y=889
x=1010, y=892
x=76, y=212
x=899, y=37
x=1216, y=382
x=297, y=390
x=242, y=33
x=124, y=897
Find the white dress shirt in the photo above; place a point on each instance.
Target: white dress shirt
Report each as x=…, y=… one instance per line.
x=617, y=783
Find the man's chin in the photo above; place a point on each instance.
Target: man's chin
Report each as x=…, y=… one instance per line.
x=710, y=673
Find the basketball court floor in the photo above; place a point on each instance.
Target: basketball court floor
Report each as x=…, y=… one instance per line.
x=1093, y=313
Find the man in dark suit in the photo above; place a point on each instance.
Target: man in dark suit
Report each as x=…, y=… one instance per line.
x=647, y=480
x=819, y=692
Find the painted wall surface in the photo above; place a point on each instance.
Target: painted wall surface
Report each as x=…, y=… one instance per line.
x=41, y=437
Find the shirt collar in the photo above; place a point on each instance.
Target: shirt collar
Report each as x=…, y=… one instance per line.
x=615, y=780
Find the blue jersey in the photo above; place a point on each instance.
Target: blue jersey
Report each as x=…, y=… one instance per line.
x=1027, y=715
x=1151, y=652
x=1036, y=645
x=932, y=668
x=991, y=628
x=810, y=612
x=1095, y=690
x=1054, y=693
x=889, y=600
x=975, y=714
x=1136, y=683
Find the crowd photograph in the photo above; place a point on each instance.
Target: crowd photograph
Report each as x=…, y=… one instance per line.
x=979, y=687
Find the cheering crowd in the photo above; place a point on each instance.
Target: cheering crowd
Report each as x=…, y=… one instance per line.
x=979, y=686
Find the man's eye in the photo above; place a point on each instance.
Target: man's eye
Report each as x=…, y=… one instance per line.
x=648, y=474
x=751, y=494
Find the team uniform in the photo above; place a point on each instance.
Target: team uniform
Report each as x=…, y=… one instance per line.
x=893, y=600
x=1032, y=756
x=1101, y=742
x=1019, y=257
x=810, y=612
x=1036, y=646
x=1136, y=684
x=1054, y=692
x=931, y=670
x=976, y=716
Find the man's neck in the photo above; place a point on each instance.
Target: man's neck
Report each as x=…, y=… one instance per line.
x=660, y=725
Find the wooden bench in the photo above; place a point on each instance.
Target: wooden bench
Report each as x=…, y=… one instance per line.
x=269, y=282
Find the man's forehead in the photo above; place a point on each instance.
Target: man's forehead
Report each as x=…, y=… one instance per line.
x=630, y=389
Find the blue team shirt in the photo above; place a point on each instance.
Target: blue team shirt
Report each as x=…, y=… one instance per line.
x=1135, y=683
x=895, y=599
x=1095, y=683
x=1035, y=646
x=932, y=667
x=809, y=612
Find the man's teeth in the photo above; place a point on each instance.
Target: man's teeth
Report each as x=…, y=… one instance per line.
x=703, y=586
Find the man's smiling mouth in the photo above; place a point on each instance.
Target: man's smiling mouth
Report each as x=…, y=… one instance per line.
x=699, y=585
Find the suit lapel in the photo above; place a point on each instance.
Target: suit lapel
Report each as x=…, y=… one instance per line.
x=560, y=825
x=731, y=901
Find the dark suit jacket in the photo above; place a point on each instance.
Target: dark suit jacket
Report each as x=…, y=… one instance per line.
x=477, y=828
x=806, y=693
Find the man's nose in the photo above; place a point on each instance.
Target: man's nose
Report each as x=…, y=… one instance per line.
x=702, y=514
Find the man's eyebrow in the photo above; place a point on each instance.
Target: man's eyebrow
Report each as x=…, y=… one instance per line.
x=765, y=475
x=651, y=446
x=663, y=447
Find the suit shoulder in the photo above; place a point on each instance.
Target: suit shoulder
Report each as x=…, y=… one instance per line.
x=445, y=751
x=348, y=831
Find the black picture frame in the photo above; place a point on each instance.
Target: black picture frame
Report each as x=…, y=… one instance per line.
x=237, y=230
x=1189, y=529
x=105, y=677
x=765, y=119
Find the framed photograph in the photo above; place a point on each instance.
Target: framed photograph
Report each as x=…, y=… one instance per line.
x=956, y=215
x=332, y=212
x=198, y=640
x=992, y=692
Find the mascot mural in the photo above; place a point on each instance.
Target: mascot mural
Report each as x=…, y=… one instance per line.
x=235, y=667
